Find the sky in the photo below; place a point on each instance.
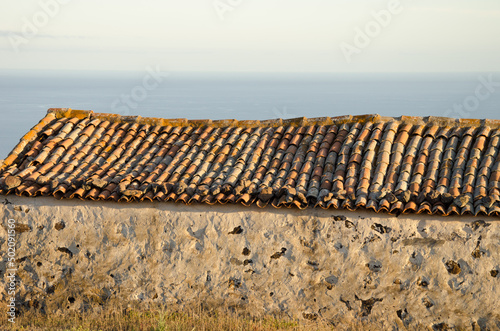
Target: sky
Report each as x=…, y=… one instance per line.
x=251, y=35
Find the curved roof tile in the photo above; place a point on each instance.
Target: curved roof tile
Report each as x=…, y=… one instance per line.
x=430, y=165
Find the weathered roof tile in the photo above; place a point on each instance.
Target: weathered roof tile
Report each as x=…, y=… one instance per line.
x=428, y=165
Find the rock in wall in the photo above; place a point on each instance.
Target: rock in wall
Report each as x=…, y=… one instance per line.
x=406, y=271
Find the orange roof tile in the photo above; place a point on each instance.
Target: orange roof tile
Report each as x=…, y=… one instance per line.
x=431, y=165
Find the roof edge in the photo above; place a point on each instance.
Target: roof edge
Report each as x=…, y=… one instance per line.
x=299, y=121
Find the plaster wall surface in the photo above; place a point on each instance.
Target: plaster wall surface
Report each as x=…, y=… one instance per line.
x=403, y=272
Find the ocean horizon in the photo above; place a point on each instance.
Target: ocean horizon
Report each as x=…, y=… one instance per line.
x=26, y=95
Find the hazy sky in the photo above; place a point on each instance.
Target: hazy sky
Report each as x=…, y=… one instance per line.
x=251, y=35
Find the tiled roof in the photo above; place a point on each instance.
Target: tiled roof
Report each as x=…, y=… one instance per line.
x=429, y=165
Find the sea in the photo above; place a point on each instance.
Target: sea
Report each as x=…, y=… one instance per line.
x=25, y=95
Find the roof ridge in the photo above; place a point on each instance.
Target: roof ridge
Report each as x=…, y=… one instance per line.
x=298, y=121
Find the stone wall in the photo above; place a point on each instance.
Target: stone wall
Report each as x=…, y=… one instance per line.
x=407, y=271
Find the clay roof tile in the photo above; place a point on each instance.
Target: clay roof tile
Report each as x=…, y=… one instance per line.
x=395, y=165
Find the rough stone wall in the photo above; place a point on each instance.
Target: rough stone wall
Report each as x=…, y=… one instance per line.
x=405, y=272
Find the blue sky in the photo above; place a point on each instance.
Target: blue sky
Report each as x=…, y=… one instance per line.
x=251, y=35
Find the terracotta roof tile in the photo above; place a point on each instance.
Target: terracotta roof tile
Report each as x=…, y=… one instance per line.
x=428, y=165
